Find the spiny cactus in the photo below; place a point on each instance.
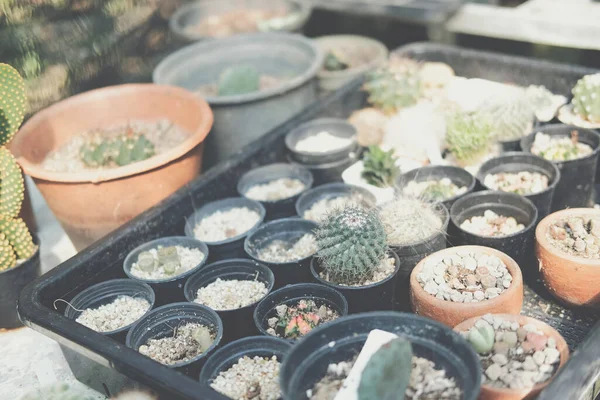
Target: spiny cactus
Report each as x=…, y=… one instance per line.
x=586, y=98
x=481, y=336
x=387, y=373
x=511, y=116
x=468, y=136
x=122, y=150
x=11, y=185
x=351, y=243
x=12, y=102
x=380, y=167
x=238, y=79
x=390, y=90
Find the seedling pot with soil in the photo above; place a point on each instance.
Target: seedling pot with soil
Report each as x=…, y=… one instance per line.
x=522, y=173
x=276, y=187
x=166, y=321
x=570, y=274
x=473, y=212
x=276, y=305
x=342, y=340
x=228, y=356
x=577, y=176
x=166, y=272
x=234, y=302
x=328, y=172
x=224, y=224
x=112, y=307
x=527, y=335
x=286, y=246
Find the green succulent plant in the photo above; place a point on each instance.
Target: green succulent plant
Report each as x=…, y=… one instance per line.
x=511, y=117
x=469, y=136
x=334, y=63
x=167, y=258
x=586, y=98
x=122, y=150
x=390, y=90
x=437, y=192
x=379, y=167
x=238, y=79
x=481, y=337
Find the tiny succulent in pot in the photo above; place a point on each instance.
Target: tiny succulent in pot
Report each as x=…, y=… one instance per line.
x=238, y=79
x=481, y=337
x=390, y=90
x=586, y=98
x=122, y=150
x=334, y=62
x=468, y=136
x=380, y=167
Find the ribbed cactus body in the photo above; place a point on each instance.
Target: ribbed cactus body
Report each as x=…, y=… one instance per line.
x=12, y=102
x=122, y=150
x=511, y=117
x=586, y=98
x=390, y=91
x=468, y=136
x=352, y=243
x=11, y=185
x=238, y=79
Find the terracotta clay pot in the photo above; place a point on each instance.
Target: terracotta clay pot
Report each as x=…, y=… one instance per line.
x=91, y=204
x=494, y=393
x=450, y=313
x=573, y=280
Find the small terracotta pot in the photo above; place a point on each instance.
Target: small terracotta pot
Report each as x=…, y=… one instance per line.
x=91, y=204
x=573, y=280
x=494, y=393
x=450, y=313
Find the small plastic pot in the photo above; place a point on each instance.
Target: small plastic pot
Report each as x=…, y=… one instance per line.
x=329, y=172
x=290, y=295
x=162, y=321
x=227, y=356
x=287, y=230
x=237, y=323
x=514, y=162
x=261, y=175
x=576, y=185
x=332, y=191
x=373, y=297
x=234, y=246
x=343, y=339
x=459, y=176
x=334, y=126
x=107, y=292
x=167, y=290
x=518, y=246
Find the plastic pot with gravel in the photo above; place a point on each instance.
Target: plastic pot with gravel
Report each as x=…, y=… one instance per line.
x=224, y=224
x=232, y=288
x=461, y=282
x=165, y=264
x=294, y=310
x=315, y=204
x=286, y=247
x=276, y=187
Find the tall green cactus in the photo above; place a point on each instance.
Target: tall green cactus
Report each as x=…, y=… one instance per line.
x=12, y=102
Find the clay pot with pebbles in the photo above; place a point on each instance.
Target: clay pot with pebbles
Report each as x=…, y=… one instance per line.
x=232, y=288
x=525, y=174
x=461, y=282
x=125, y=191
x=541, y=348
x=569, y=260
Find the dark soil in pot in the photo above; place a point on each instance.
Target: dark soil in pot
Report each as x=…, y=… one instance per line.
x=577, y=175
x=290, y=312
x=232, y=288
x=329, y=172
x=524, y=174
x=470, y=217
x=165, y=264
x=286, y=246
x=112, y=307
x=237, y=368
x=179, y=335
x=315, y=203
x=342, y=340
x=276, y=187
x=224, y=224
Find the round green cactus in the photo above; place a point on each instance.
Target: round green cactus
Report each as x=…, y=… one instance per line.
x=11, y=185
x=351, y=243
x=469, y=136
x=12, y=102
x=511, y=117
x=238, y=79
x=586, y=98
x=122, y=150
x=390, y=90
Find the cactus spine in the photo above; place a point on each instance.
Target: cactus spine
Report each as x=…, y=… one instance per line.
x=586, y=98
x=122, y=150
x=238, y=79
x=468, y=136
x=12, y=102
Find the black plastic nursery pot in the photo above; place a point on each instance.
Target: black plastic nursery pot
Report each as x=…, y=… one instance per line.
x=514, y=162
x=332, y=191
x=287, y=230
x=331, y=171
x=237, y=323
x=265, y=174
x=343, y=339
x=373, y=297
x=106, y=292
x=576, y=185
x=459, y=176
x=234, y=246
x=226, y=356
x=518, y=246
x=162, y=322
x=166, y=290
x=290, y=295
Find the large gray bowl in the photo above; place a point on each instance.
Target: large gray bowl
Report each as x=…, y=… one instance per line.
x=241, y=119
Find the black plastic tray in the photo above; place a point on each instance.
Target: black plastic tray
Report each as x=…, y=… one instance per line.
x=103, y=260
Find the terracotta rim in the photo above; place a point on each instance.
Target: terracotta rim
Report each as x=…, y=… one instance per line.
x=511, y=265
x=196, y=137
x=561, y=346
x=544, y=225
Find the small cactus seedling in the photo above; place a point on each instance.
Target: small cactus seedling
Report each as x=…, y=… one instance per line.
x=203, y=337
x=167, y=258
x=238, y=79
x=586, y=98
x=147, y=262
x=351, y=243
x=437, y=192
x=511, y=116
x=333, y=62
x=12, y=102
x=387, y=373
x=390, y=90
x=122, y=150
x=380, y=167
x=481, y=336
x=468, y=136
